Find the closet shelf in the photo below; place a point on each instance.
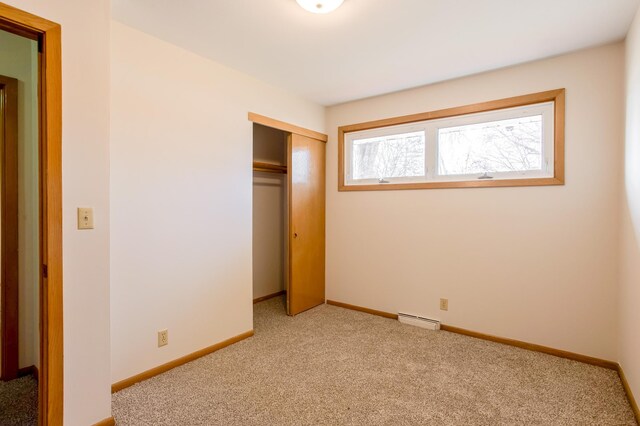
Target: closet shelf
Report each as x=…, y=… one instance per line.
x=269, y=168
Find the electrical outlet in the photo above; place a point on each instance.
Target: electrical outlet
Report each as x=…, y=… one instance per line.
x=444, y=304
x=163, y=337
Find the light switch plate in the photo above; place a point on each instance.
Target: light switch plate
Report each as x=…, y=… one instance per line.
x=85, y=218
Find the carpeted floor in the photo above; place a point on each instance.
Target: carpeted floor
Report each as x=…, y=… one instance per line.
x=331, y=366
x=19, y=402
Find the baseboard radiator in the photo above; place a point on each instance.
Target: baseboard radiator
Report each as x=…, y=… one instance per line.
x=428, y=323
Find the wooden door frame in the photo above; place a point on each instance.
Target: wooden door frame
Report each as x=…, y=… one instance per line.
x=291, y=129
x=9, y=227
x=48, y=34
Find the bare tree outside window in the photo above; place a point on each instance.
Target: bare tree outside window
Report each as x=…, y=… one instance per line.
x=511, y=145
x=401, y=155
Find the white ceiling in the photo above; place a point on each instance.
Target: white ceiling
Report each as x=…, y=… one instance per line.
x=371, y=47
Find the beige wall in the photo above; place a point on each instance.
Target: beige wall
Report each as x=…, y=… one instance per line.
x=19, y=59
x=536, y=264
x=85, y=182
x=269, y=213
x=181, y=197
x=630, y=220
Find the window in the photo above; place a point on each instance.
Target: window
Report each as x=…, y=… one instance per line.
x=511, y=142
x=390, y=156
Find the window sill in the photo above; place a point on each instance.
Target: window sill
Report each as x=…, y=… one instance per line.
x=461, y=184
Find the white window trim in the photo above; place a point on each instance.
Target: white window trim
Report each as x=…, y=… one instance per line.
x=384, y=131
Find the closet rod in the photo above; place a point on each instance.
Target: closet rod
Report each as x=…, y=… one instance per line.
x=269, y=168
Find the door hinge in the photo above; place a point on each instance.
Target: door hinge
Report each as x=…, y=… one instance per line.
x=45, y=271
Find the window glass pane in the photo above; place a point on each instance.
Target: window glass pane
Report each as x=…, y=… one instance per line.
x=511, y=145
x=400, y=155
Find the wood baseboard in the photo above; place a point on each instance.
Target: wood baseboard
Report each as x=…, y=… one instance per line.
x=269, y=296
x=109, y=421
x=511, y=342
x=534, y=347
x=118, y=386
x=31, y=370
x=629, y=392
x=361, y=309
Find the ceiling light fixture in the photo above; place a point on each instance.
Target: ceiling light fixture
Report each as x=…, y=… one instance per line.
x=320, y=6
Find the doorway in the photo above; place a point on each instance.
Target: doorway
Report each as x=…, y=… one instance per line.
x=46, y=264
x=9, y=270
x=19, y=227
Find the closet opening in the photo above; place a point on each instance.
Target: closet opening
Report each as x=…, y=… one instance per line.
x=270, y=216
x=288, y=219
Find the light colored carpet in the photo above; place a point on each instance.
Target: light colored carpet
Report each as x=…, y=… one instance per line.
x=331, y=366
x=19, y=402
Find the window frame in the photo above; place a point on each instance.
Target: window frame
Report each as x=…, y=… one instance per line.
x=557, y=97
x=388, y=131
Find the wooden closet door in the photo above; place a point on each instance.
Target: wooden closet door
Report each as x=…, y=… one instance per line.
x=306, y=223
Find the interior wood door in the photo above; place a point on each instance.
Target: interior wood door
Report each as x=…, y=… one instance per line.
x=306, y=175
x=9, y=228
